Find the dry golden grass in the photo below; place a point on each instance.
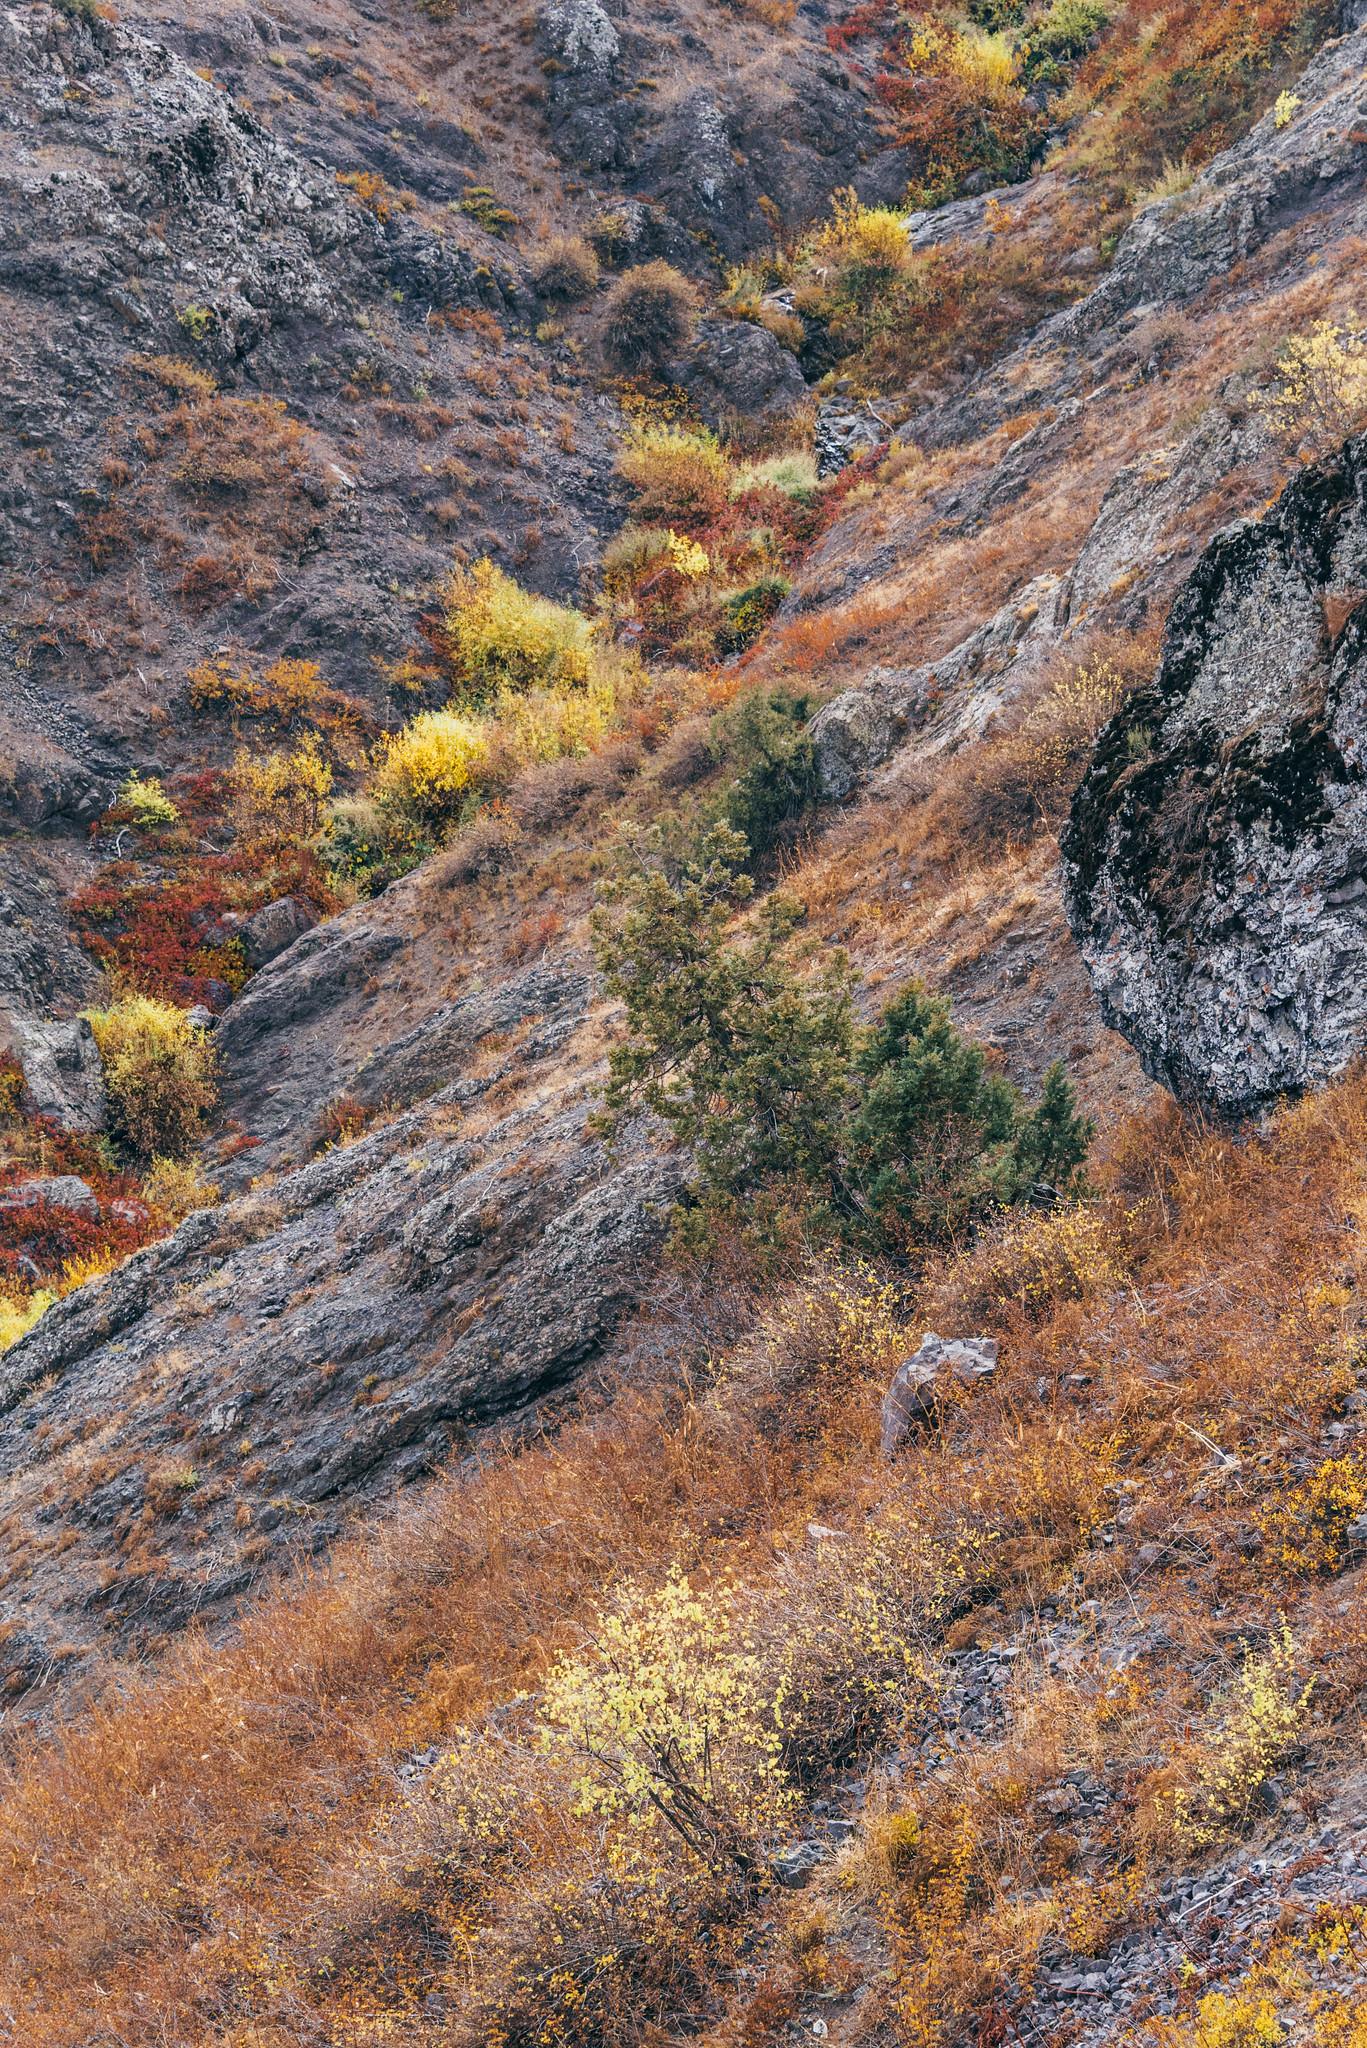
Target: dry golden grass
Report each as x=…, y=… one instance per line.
x=197, y=1840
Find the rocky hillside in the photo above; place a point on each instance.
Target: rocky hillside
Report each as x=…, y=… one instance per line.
x=798, y=572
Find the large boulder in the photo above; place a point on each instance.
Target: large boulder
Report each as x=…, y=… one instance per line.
x=54, y=1191
x=737, y=369
x=582, y=65
x=1215, y=864
x=274, y=927
x=63, y=1077
x=918, y=1386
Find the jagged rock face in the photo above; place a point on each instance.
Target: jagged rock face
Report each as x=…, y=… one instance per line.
x=782, y=127
x=583, y=58
x=1216, y=860
x=942, y=703
x=343, y=1318
x=737, y=370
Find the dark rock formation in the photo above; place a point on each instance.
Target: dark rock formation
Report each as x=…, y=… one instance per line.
x=738, y=370
x=1216, y=859
x=844, y=432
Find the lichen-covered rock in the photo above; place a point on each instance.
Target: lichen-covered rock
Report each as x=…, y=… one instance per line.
x=54, y=1191
x=1216, y=860
x=63, y=1078
x=592, y=117
x=275, y=926
x=843, y=433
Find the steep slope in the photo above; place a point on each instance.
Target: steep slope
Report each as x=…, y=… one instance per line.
x=468, y=1624
x=393, y=1349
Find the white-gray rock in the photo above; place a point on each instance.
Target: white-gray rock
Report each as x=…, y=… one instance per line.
x=63, y=1078
x=1215, y=864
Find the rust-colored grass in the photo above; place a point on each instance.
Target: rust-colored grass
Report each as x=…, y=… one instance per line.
x=176, y=1853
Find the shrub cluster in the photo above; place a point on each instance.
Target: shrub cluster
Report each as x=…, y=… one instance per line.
x=500, y=637
x=647, y=318
x=158, y=1075
x=702, y=565
x=893, y=1137
x=1320, y=396
x=528, y=680
x=566, y=267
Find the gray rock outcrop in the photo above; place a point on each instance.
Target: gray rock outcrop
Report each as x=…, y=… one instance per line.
x=738, y=370
x=914, y=1395
x=274, y=927
x=843, y=433
x=1216, y=860
x=583, y=50
x=63, y=1077
x=942, y=703
x=56, y=1191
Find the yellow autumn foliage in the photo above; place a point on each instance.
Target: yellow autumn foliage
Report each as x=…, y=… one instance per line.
x=502, y=637
x=429, y=771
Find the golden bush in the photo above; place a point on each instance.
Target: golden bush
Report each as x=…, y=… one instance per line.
x=175, y=1189
x=648, y=317
x=146, y=802
x=863, y=242
x=430, y=771
x=1032, y=1263
x=280, y=797
x=1224, y=1772
x=502, y=637
x=1306, y=1527
x=986, y=65
x=679, y=475
x=19, y=1313
x=158, y=1074
x=565, y=267
x=1321, y=394
x=668, y=1719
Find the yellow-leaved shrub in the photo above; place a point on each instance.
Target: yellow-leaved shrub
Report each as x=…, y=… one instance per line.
x=502, y=637
x=279, y=797
x=158, y=1075
x=19, y=1313
x=429, y=772
x=680, y=476
x=1321, y=394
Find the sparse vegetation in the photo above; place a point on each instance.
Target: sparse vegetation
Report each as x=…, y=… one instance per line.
x=682, y=1713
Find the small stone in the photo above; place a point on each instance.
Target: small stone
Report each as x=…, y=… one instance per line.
x=794, y=1865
